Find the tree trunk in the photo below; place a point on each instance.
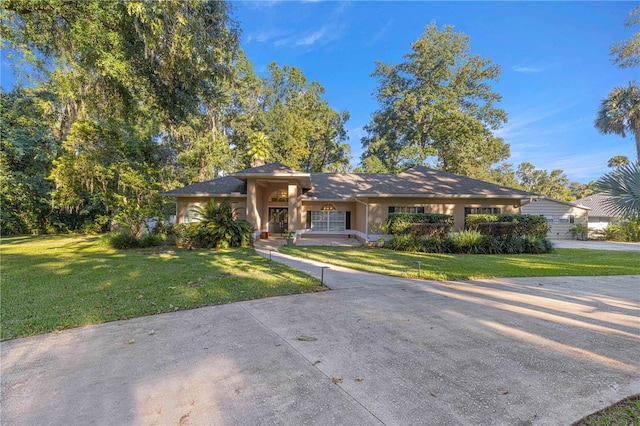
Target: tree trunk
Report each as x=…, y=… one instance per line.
x=637, y=135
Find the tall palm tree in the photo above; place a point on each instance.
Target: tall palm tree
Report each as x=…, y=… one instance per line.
x=623, y=187
x=620, y=113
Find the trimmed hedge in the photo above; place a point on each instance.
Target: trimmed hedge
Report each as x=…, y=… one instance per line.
x=419, y=224
x=471, y=242
x=508, y=225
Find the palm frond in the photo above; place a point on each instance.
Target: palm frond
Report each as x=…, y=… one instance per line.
x=623, y=187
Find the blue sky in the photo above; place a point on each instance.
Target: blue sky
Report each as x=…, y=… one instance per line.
x=554, y=56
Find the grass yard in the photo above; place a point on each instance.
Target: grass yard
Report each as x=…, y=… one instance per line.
x=623, y=413
x=443, y=267
x=52, y=283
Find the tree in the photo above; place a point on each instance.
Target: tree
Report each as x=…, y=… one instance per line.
x=177, y=51
x=623, y=187
x=617, y=160
x=553, y=184
x=27, y=150
x=259, y=148
x=626, y=54
x=436, y=104
x=620, y=113
x=303, y=131
x=582, y=190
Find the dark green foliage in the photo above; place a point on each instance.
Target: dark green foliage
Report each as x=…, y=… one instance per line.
x=471, y=242
x=628, y=231
x=217, y=228
x=150, y=240
x=419, y=224
x=125, y=240
x=122, y=241
x=519, y=224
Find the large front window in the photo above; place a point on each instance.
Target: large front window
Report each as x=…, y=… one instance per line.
x=328, y=221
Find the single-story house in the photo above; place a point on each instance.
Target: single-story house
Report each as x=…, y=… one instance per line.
x=600, y=214
x=561, y=215
x=275, y=198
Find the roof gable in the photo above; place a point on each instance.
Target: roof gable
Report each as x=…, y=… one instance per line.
x=266, y=169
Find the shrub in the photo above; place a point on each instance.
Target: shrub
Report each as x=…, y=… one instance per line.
x=122, y=241
x=218, y=228
x=405, y=242
x=150, y=240
x=523, y=224
x=419, y=224
x=471, y=242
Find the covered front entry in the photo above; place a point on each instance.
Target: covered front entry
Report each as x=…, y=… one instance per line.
x=278, y=219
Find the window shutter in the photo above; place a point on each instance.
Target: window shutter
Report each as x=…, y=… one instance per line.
x=347, y=220
x=420, y=210
x=308, y=220
x=392, y=209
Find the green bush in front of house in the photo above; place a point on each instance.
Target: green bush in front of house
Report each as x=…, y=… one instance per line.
x=486, y=234
x=217, y=228
x=508, y=225
x=471, y=242
x=419, y=224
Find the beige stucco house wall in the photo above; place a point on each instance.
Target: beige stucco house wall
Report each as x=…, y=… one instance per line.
x=275, y=198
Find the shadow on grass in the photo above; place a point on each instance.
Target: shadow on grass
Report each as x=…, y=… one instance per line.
x=52, y=283
x=561, y=262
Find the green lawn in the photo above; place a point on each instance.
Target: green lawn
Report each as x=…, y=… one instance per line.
x=561, y=262
x=56, y=282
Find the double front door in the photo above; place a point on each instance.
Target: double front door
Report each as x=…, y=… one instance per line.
x=278, y=220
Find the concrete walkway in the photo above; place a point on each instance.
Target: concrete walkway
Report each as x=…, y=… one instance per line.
x=374, y=350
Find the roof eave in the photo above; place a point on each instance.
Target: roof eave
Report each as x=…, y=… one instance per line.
x=205, y=194
x=516, y=196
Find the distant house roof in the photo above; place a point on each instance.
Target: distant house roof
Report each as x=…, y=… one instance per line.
x=598, y=205
x=222, y=186
x=418, y=181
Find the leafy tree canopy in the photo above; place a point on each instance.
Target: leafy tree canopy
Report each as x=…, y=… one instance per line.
x=626, y=54
x=438, y=104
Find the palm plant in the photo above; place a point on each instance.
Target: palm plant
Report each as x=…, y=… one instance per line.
x=218, y=227
x=623, y=187
x=620, y=113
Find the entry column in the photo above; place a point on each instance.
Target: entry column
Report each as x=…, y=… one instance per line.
x=293, y=206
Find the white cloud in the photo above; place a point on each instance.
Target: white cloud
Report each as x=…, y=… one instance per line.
x=311, y=38
x=524, y=69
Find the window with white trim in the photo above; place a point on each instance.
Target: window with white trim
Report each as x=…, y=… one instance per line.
x=406, y=209
x=549, y=217
x=328, y=221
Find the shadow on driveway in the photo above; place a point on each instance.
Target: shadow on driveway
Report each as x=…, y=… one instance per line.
x=374, y=350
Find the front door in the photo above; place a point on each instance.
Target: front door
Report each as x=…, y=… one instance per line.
x=278, y=219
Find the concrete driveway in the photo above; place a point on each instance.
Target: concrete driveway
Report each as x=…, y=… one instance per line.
x=374, y=350
x=597, y=245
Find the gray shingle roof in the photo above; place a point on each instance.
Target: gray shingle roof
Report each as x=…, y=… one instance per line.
x=433, y=183
x=597, y=204
x=221, y=186
x=342, y=185
x=418, y=181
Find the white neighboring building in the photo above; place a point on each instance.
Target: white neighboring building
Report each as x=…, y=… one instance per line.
x=600, y=216
x=560, y=214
